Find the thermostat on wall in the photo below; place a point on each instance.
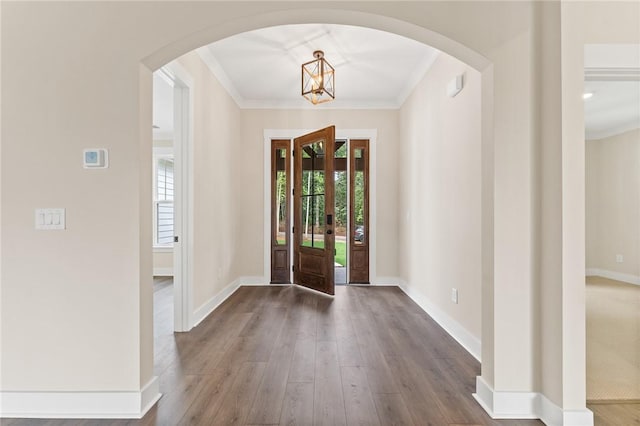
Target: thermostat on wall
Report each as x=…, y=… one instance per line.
x=95, y=159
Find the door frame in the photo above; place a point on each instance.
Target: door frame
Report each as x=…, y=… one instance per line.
x=183, y=197
x=372, y=135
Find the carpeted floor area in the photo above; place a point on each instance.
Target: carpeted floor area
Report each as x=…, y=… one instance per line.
x=613, y=340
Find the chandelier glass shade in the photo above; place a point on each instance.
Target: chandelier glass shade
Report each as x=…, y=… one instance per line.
x=318, y=80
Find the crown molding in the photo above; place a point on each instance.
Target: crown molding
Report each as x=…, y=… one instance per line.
x=219, y=73
x=612, y=74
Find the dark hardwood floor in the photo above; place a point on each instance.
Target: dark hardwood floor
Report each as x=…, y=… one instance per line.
x=284, y=355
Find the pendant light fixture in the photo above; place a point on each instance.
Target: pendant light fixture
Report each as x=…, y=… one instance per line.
x=318, y=80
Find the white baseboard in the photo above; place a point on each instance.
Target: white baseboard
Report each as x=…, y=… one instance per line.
x=150, y=394
x=505, y=405
x=527, y=405
x=386, y=281
x=552, y=415
x=162, y=272
x=80, y=405
x=618, y=276
x=468, y=341
x=253, y=281
x=206, y=308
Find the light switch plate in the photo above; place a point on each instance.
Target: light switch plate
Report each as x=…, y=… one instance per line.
x=50, y=218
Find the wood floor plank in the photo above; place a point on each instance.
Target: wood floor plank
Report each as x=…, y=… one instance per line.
x=297, y=408
x=209, y=396
x=359, y=406
x=267, y=405
x=347, y=342
x=452, y=404
x=174, y=404
x=383, y=331
x=234, y=408
x=325, y=322
x=392, y=410
x=308, y=320
x=328, y=398
x=378, y=373
x=417, y=396
x=454, y=392
x=303, y=362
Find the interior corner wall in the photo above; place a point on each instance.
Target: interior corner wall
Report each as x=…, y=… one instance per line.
x=613, y=204
x=439, y=203
x=250, y=183
x=216, y=131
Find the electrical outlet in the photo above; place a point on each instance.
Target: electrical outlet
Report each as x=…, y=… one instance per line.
x=619, y=258
x=454, y=295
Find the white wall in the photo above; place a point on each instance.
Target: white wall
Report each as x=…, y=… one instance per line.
x=613, y=204
x=250, y=161
x=163, y=262
x=72, y=300
x=216, y=136
x=439, y=187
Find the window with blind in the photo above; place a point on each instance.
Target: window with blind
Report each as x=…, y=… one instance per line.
x=164, y=202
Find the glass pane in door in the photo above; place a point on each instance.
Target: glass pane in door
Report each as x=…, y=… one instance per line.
x=281, y=208
x=359, y=231
x=340, y=179
x=313, y=196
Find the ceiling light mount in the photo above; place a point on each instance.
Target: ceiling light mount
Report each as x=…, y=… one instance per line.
x=318, y=80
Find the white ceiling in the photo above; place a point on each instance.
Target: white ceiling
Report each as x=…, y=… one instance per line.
x=612, y=74
x=374, y=69
x=613, y=109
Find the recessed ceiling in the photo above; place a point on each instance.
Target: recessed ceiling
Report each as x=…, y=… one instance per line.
x=612, y=74
x=374, y=69
x=614, y=108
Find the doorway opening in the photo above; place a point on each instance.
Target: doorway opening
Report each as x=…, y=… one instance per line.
x=346, y=223
x=172, y=183
x=612, y=207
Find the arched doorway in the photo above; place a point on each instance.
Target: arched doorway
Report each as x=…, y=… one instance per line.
x=420, y=34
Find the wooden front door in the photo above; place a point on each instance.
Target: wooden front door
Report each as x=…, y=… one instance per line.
x=313, y=209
